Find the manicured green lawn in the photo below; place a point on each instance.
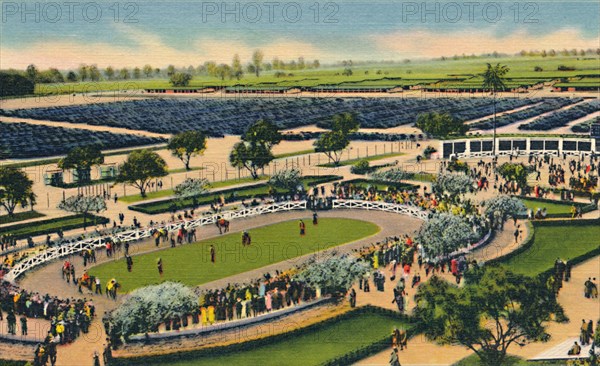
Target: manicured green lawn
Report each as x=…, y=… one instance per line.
x=20, y=216
x=247, y=192
x=354, y=161
x=294, y=153
x=564, y=241
x=190, y=263
x=169, y=192
x=552, y=208
x=311, y=348
x=51, y=226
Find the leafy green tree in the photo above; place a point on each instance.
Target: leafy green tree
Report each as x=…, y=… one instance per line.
x=237, y=70
x=83, y=205
x=82, y=159
x=147, y=70
x=223, y=71
x=180, y=79
x=263, y=132
x=109, y=72
x=187, y=144
x=514, y=173
x=83, y=72
x=333, y=142
x=493, y=80
x=137, y=73
x=94, y=73
x=140, y=168
x=32, y=72
x=254, y=151
x=171, y=70
x=257, y=61
x=71, y=77
x=495, y=309
x=14, y=83
x=441, y=124
x=15, y=189
x=250, y=156
x=345, y=122
x=124, y=74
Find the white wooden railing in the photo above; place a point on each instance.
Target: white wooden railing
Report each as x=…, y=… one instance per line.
x=61, y=251
x=382, y=206
x=53, y=253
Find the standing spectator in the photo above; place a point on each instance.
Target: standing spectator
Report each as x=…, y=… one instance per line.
x=23, y=320
x=12, y=323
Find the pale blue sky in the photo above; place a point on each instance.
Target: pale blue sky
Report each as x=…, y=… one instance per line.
x=183, y=33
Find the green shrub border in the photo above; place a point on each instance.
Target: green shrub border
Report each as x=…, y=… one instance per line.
x=148, y=208
x=91, y=221
x=245, y=346
x=397, y=185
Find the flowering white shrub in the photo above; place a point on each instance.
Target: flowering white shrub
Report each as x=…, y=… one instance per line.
x=286, y=179
x=502, y=207
x=444, y=233
x=391, y=175
x=337, y=273
x=191, y=187
x=452, y=184
x=145, y=308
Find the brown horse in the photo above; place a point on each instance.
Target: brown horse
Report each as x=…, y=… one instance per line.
x=222, y=225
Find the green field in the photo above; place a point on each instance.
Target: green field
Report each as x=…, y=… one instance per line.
x=169, y=192
x=450, y=73
x=551, y=207
x=310, y=348
x=190, y=263
x=566, y=241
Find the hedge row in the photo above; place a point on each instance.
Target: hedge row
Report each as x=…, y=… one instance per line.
x=525, y=246
x=245, y=346
x=397, y=185
x=364, y=352
x=231, y=195
x=51, y=225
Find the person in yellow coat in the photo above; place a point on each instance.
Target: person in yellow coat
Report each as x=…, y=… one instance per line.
x=376, y=260
x=60, y=331
x=204, y=315
x=211, y=315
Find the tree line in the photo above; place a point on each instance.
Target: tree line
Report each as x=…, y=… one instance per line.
x=235, y=70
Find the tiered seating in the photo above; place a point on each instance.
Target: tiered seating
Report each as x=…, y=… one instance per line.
x=547, y=105
x=563, y=117
x=24, y=140
x=219, y=116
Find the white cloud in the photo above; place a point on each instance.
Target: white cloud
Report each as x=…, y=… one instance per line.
x=424, y=43
x=149, y=49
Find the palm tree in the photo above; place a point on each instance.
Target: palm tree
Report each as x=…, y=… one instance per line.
x=493, y=80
